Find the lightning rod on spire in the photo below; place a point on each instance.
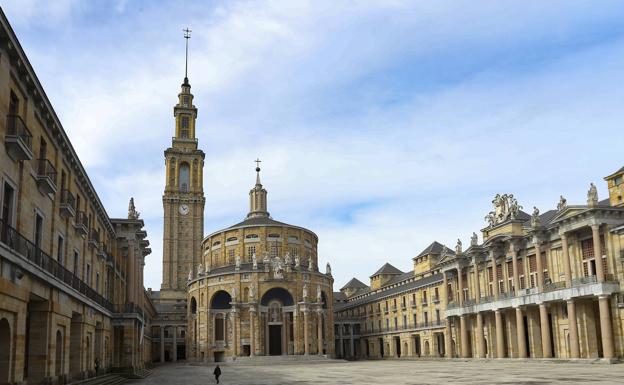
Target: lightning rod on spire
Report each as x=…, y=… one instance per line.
x=187, y=36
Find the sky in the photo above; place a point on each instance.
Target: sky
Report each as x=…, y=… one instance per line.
x=381, y=125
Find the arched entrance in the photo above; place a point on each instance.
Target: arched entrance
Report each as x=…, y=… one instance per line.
x=277, y=307
x=219, y=308
x=5, y=351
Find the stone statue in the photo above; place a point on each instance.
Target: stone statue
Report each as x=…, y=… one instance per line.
x=592, y=195
x=535, y=220
x=234, y=293
x=563, y=203
x=505, y=207
x=310, y=264
x=200, y=270
x=254, y=261
x=297, y=262
x=278, y=268
x=458, y=247
x=190, y=275
x=237, y=260
x=266, y=261
x=207, y=268
x=328, y=269
x=132, y=212
x=305, y=291
x=319, y=297
x=474, y=240
x=288, y=262
x=252, y=291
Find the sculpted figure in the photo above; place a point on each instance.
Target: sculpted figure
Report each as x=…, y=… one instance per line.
x=254, y=261
x=305, y=291
x=297, y=262
x=266, y=261
x=458, y=247
x=200, y=270
x=310, y=264
x=252, y=291
x=278, y=268
x=474, y=240
x=563, y=203
x=234, y=294
x=328, y=269
x=319, y=297
x=190, y=275
x=237, y=260
x=535, y=221
x=592, y=195
x=132, y=212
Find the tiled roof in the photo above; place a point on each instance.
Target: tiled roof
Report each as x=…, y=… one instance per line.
x=434, y=248
x=354, y=283
x=389, y=292
x=387, y=269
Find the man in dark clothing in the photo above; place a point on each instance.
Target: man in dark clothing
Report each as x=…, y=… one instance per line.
x=217, y=373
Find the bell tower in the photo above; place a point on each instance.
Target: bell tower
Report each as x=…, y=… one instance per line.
x=183, y=199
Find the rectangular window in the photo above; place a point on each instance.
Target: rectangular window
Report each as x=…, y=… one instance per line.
x=88, y=277
x=184, y=127
x=97, y=282
x=251, y=250
x=38, y=230
x=404, y=321
x=415, y=320
x=426, y=318
x=76, y=263
x=7, y=204
x=437, y=316
x=60, y=250
x=185, y=101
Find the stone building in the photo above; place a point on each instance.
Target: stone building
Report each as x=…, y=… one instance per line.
x=71, y=277
x=259, y=291
x=540, y=285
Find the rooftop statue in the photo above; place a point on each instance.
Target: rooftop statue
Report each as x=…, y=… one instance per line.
x=505, y=207
x=563, y=203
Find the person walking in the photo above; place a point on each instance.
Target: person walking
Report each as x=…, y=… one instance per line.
x=217, y=373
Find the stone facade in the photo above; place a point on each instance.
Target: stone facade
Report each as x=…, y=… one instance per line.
x=533, y=288
x=259, y=291
x=71, y=277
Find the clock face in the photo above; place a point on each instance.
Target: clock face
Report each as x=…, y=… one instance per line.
x=184, y=209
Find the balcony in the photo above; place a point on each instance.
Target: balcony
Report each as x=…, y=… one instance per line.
x=18, y=140
x=68, y=204
x=436, y=299
x=94, y=238
x=386, y=310
x=394, y=308
x=424, y=302
x=37, y=258
x=81, y=224
x=412, y=303
x=46, y=177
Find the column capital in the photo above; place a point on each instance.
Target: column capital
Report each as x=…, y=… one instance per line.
x=604, y=296
x=569, y=301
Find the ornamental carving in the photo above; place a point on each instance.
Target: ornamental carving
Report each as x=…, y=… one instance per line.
x=506, y=207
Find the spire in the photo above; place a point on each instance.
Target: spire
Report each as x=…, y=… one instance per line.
x=258, y=197
x=187, y=36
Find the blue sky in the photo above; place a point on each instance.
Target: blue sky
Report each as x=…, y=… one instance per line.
x=382, y=125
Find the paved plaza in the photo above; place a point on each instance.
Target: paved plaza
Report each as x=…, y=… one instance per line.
x=393, y=372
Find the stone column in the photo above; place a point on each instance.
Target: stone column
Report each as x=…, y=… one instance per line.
x=540, y=267
x=545, y=331
x=175, y=344
x=342, y=355
x=319, y=333
x=266, y=334
x=520, y=333
x=480, y=337
x=445, y=289
x=235, y=341
x=477, y=284
x=514, y=264
x=566, y=259
x=500, y=353
x=296, y=332
x=162, y=343
x=600, y=273
x=464, y=336
x=606, y=329
x=252, y=333
x=460, y=283
x=575, y=351
x=351, y=347
x=494, y=275
x=448, y=339
x=306, y=347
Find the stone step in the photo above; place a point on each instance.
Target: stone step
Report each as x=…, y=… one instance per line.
x=104, y=379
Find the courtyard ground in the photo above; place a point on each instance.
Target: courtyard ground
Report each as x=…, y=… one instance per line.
x=392, y=372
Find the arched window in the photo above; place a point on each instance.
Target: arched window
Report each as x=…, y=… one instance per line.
x=184, y=176
x=193, y=305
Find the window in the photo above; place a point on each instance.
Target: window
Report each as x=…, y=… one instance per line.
x=231, y=239
x=415, y=319
x=184, y=177
x=97, y=282
x=13, y=104
x=7, y=204
x=251, y=250
x=251, y=236
x=60, y=252
x=404, y=321
x=437, y=316
x=88, y=277
x=426, y=318
x=618, y=180
x=216, y=243
x=76, y=263
x=184, y=127
x=185, y=101
x=38, y=230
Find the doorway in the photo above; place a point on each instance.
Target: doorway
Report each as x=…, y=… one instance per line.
x=275, y=340
x=397, y=346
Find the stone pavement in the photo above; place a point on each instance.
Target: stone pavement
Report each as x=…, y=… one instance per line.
x=393, y=372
